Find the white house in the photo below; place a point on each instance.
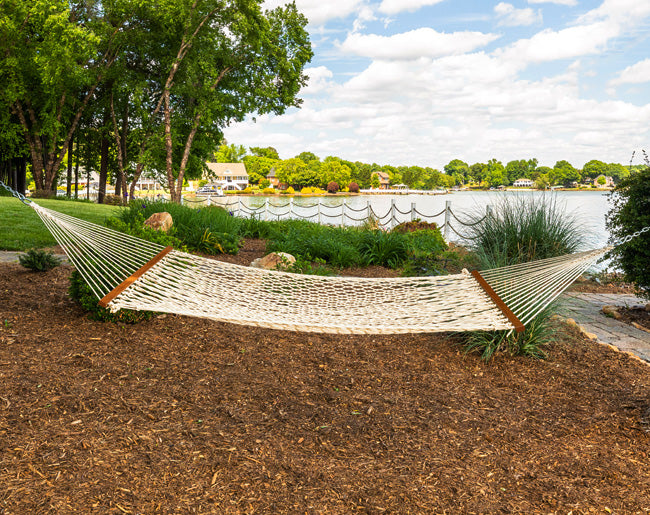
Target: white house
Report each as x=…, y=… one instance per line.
x=228, y=176
x=523, y=183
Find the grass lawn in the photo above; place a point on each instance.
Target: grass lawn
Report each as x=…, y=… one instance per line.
x=22, y=229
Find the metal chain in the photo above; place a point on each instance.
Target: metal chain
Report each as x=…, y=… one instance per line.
x=19, y=196
x=630, y=237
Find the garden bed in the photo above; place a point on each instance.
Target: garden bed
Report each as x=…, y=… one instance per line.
x=181, y=415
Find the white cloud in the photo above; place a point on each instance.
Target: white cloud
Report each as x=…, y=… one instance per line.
x=626, y=12
x=424, y=42
x=511, y=17
x=397, y=6
x=320, y=79
x=634, y=74
x=317, y=11
x=559, y=2
x=550, y=45
x=366, y=14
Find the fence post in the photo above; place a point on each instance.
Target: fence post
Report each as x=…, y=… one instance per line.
x=392, y=213
x=238, y=206
x=488, y=210
x=182, y=201
x=343, y=214
x=412, y=211
x=447, y=218
x=266, y=209
x=319, y=217
x=367, y=210
x=209, y=200
x=290, y=206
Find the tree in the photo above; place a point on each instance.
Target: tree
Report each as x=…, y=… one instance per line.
x=629, y=214
x=267, y=152
x=477, y=172
x=496, y=173
x=564, y=173
x=230, y=153
x=331, y=170
x=258, y=167
x=594, y=168
x=214, y=62
x=458, y=169
x=521, y=168
x=374, y=181
x=292, y=171
x=55, y=55
x=308, y=156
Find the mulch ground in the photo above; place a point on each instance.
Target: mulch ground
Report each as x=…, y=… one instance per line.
x=636, y=317
x=180, y=415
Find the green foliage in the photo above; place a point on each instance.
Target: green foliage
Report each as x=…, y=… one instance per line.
x=212, y=229
x=523, y=229
x=269, y=191
x=81, y=293
x=538, y=335
x=39, y=260
x=630, y=212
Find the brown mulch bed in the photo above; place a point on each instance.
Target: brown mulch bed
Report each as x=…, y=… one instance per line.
x=635, y=316
x=181, y=415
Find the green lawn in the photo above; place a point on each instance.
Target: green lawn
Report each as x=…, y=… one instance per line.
x=22, y=229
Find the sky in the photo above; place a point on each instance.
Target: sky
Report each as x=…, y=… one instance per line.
x=422, y=82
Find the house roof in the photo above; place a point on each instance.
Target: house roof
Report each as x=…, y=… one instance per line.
x=383, y=176
x=227, y=169
x=523, y=179
x=271, y=173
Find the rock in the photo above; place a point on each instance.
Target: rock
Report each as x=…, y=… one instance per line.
x=159, y=221
x=647, y=306
x=571, y=322
x=590, y=336
x=274, y=261
x=611, y=311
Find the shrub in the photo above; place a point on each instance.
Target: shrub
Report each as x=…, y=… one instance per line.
x=264, y=183
x=288, y=191
x=247, y=189
x=306, y=190
x=521, y=229
x=39, y=260
x=332, y=187
x=114, y=200
x=81, y=293
x=630, y=212
x=353, y=187
x=43, y=194
x=268, y=191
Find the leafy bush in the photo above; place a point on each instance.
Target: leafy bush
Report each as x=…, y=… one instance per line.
x=81, y=293
x=247, y=189
x=306, y=190
x=264, y=183
x=114, y=200
x=268, y=191
x=353, y=187
x=39, y=260
x=43, y=194
x=332, y=187
x=630, y=213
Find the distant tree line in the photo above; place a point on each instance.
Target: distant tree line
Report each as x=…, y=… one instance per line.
x=307, y=169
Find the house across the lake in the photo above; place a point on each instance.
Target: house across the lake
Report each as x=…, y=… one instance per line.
x=384, y=179
x=523, y=183
x=228, y=176
x=273, y=179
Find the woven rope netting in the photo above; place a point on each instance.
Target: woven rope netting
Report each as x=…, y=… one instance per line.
x=191, y=285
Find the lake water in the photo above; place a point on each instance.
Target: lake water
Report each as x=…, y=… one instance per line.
x=588, y=207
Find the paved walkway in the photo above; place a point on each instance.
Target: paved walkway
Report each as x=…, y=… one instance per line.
x=10, y=256
x=585, y=309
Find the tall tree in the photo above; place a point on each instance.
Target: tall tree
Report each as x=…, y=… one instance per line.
x=217, y=61
x=55, y=55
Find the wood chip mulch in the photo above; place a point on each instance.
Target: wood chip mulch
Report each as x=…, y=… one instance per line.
x=181, y=415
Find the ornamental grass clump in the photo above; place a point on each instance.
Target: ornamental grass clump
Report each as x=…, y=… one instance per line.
x=519, y=230
x=38, y=260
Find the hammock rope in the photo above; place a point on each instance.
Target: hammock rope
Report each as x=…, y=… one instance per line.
x=127, y=272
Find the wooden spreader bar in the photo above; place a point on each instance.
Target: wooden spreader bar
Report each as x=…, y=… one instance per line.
x=519, y=327
x=133, y=277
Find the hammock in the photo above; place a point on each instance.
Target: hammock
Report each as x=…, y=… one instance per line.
x=126, y=272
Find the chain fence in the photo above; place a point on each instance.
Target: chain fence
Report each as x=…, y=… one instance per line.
x=344, y=214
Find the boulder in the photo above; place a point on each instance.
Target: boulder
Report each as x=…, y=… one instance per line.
x=274, y=261
x=159, y=221
x=647, y=306
x=611, y=311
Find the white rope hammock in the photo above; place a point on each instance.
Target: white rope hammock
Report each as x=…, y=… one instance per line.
x=127, y=272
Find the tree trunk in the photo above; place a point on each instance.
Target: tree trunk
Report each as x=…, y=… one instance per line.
x=68, y=184
x=103, y=169
x=76, y=174
x=174, y=192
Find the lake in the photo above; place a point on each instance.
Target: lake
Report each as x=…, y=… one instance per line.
x=589, y=207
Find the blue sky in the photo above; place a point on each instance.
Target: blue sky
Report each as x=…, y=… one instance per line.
x=421, y=82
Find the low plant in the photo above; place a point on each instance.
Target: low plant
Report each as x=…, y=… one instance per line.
x=268, y=191
x=353, y=187
x=39, y=260
x=532, y=342
x=81, y=293
x=332, y=187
